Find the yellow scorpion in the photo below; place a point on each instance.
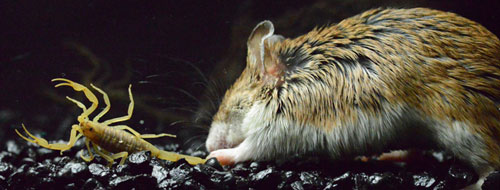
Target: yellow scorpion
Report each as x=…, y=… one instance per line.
x=110, y=142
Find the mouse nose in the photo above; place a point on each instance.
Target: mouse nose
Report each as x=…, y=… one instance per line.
x=215, y=145
x=210, y=147
x=211, y=144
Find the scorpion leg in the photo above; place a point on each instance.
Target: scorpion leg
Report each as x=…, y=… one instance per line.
x=112, y=157
x=164, y=155
x=105, y=151
x=56, y=146
x=122, y=155
x=102, y=154
x=150, y=136
x=130, y=110
x=106, y=101
x=78, y=87
x=91, y=156
x=144, y=136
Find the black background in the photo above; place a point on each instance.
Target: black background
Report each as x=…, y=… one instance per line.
x=159, y=44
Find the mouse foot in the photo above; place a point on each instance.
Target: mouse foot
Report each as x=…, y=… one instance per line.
x=224, y=156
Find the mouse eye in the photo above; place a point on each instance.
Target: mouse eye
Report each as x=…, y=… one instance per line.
x=242, y=104
x=238, y=106
x=91, y=129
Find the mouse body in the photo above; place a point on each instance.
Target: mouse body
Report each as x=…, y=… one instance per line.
x=385, y=79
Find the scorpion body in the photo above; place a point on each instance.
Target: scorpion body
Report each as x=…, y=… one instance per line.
x=114, y=140
x=110, y=142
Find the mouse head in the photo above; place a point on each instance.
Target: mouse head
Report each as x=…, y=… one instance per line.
x=262, y=73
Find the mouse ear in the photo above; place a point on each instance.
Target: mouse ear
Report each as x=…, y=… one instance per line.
x=258, y=55
x=255, y=43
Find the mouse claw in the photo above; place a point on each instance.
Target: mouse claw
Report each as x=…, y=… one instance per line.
x=224, y=156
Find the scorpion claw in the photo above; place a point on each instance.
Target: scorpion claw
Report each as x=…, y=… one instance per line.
x=66, y=82
x=61, y=79
x=25, y=138
x=34, y=140
x=62, y=84
x=39, y=141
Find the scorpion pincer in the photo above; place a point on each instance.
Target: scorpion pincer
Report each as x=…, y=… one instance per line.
x=110, y=142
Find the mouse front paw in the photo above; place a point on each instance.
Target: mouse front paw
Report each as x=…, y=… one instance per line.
x=224, y=156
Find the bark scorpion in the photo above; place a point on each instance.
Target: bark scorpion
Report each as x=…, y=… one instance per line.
x=110, y=142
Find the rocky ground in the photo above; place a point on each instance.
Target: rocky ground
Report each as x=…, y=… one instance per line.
x=26, y=166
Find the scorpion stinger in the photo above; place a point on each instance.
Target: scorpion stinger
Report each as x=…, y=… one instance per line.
x=129, y=112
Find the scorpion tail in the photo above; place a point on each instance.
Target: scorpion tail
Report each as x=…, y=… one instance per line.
x=164, y=155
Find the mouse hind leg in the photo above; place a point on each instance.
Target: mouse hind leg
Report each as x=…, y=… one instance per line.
x=458, y=139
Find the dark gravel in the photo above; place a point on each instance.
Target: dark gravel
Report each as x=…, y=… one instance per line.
x=26, y=166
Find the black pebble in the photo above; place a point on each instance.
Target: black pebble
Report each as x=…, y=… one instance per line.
x=256, y=166
x=99, y=171
x=6, y=169
x=310, y=180
x=297, y=185
x=92, y=183
x=160, y=173
x=139, y=157
x=214, y=163
x=241, y=169
x=6, y=156
x=180, y=173
x=424, y=180
x=124, y=169
x=492, y=181
x=29, y=167
x=460, y=176
x=139, y=162
x=344, y=181
x=28, y=161
x=171, y=147
x=74, y=170
x=142, y=181
x=268, y=178
x=70, y=186
x=202, y=173
x=192, y=184
x=3, y=182
x=177, y=176
x=12, y=147
x=223, y=179
x=199, y=153
x=44, y=153
x=29, y=152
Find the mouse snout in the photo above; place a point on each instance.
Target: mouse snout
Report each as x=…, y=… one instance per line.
x=222, y=136
x=215, y=137
x=210, y=146
x=221, y=144
x=216, y=141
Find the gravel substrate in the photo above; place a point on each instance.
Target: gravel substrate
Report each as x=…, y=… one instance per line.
x=26, y=166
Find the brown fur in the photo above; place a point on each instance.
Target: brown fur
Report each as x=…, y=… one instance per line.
x=443, y=65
